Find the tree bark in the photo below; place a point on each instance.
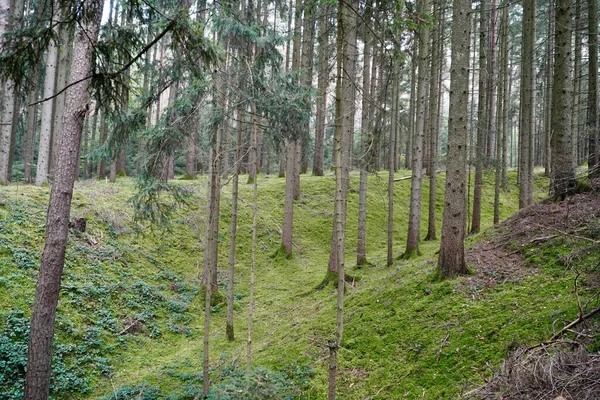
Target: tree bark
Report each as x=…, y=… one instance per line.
x=30, y=131
x=37, y=379
x=592, y=106
x=348, y=78
x=414, y=217
x=322, y=83
x=7, y=99
x=451, y=259
x=101, y=166
x=434, y=115
x=391, y=151
x=43, y=162
x=482, y=124
x=501, y=111
x=361, y=248
x=506, y=91
x=229, y=329
x=563, y=173
x=65, y=37
x=345, y=42
x=575, y=105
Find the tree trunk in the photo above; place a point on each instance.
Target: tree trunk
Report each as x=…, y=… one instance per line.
x=30, y=131
x=322, y=83
x=548, y=97
x=575, y=106
x=8, y=96
x=501, y=112
x=434, y=115
x=308, y=52
x=482, y=123
x=414, y=218
x=391, y=151
x=37, y=378
x=361, y=251
x=101, y=166
x=43, y=162
x=214, y=195
x=412, y=105
x=65, y=54
x=345, y=44
x=504, y=76
x=592, y=106
x=229, y=329
x=288, y=211
x=348, y=79
x=451, y=260
x=91, y=167
x=282, y=159
x=491, y=85
x=85, y=146
x=563, y=173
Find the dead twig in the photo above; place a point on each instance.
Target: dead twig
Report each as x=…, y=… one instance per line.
x=576, y=322
x=131, y=325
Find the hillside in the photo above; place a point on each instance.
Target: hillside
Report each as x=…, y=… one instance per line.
x=130, y=320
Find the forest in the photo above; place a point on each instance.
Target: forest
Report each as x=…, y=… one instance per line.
x=351, y=199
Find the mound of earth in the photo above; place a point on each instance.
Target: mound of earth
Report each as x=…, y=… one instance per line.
x=498, y=258
x=561, y=368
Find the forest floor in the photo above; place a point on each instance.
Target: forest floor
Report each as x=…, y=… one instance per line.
x=129, y=324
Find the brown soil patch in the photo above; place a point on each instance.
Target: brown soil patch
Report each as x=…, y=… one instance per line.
x=498, y=259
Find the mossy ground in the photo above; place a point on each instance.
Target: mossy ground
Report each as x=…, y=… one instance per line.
x=406, y=335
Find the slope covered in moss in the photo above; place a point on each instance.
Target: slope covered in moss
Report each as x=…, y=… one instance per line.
x=130, y=318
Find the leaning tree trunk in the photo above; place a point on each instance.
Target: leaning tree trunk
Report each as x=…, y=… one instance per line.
x=563, y=173
x=451, y=260
x=37, y=378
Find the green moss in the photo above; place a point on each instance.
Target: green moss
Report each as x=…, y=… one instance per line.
x=363, y=262
x=404, y=331
x=410, y=254
x=188, y=177
x=281, y=253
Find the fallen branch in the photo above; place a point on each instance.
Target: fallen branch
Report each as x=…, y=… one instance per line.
x=542, y=239
x=576, y=322
x=134, y=323
x=550, y=342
